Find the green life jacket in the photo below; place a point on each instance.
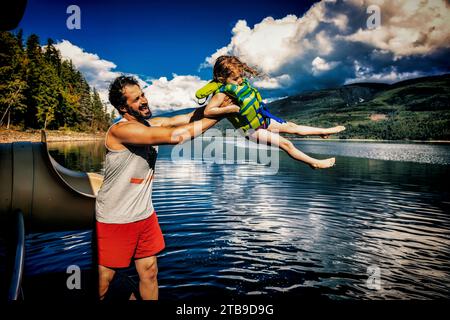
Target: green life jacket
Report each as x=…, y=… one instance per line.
x=207, y=89
x=248, y=98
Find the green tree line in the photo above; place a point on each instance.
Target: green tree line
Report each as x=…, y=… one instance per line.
x=40, y=90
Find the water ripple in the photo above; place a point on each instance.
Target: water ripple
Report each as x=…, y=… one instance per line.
x=295, y=233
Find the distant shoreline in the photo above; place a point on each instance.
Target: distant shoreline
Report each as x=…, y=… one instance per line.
x=8, y=136
x=371, y=140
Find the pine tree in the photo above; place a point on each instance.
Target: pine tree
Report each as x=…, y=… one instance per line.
x=47, y=98
x=19, y=37
x=98, y=111
x=34, y=68
x=67, y=114
x=38, y=89
x=52, y=56
x=12, y=84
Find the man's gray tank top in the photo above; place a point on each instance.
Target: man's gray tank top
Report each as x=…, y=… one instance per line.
x=126, y=193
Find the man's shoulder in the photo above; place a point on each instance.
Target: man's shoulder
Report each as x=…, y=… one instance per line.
x=157, y=121
x=124, y=126
x=119, y=125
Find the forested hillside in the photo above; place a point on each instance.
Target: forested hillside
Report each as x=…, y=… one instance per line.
x=413, y=109
x=40, y=90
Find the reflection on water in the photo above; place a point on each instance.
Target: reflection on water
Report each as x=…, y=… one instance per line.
x=79, y=155
x=230, y=232
x=435, y=153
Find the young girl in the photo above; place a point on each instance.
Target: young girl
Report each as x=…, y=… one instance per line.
x=251, y=116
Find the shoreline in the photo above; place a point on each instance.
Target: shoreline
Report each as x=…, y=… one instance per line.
x=11, y=135
x=372, y=140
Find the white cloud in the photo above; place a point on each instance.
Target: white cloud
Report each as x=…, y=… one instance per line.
x=209, y=61
x=320, y=48
x=391, y=75
x=329, y=45
x=408, y=27
x=177, y=93
x=387, y=77
x=163, y=94
x=267, y=45
x=320, y=65
x=273, y=83
x=98, y=72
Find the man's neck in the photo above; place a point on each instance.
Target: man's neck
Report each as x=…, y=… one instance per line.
x=129, y=117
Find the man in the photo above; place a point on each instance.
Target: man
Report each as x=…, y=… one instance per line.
x=127, y=226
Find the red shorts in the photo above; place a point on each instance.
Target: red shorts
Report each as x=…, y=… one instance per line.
x=119, y=243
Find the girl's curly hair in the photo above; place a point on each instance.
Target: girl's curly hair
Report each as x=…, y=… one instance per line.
x=227, y=66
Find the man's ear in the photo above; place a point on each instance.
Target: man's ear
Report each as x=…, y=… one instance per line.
x=123, y=109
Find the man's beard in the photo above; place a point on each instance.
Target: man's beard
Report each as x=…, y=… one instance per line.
x=138, y=115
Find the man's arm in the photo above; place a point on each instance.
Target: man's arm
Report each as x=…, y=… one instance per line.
x=139, y=134
x=225, y=102
x=178, y=120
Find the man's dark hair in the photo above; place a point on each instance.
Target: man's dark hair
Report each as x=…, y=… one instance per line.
x=116, y=91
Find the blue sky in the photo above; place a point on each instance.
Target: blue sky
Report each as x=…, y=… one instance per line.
x=298, y=45
x=152, y=38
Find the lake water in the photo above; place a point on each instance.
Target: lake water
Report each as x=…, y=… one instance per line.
x=376, y=226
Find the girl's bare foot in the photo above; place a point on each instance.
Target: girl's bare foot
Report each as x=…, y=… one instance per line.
x=323, y=164
x=333, y=130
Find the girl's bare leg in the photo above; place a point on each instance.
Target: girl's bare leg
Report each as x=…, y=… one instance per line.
x=267, y=137
x=290, y=127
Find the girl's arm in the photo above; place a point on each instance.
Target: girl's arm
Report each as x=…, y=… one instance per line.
x=214, y=109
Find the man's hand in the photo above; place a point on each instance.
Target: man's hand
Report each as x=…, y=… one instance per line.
x=219, y=105
x=230, y=104
x=228, y=101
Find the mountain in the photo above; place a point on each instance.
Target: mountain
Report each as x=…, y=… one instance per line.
x=415, y=109
x=412, y=109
